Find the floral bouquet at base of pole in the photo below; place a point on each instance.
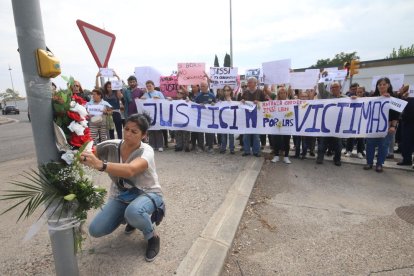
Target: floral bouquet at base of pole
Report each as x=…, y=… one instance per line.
x=61, y=186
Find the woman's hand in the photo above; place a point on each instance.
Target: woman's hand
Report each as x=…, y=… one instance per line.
x=89, y=159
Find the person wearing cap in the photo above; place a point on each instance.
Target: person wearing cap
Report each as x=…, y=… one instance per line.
x=129, y=95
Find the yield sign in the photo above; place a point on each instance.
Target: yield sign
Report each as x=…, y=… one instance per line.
x=100, y=42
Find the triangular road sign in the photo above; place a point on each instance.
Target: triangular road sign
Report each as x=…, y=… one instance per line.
x=100, y=42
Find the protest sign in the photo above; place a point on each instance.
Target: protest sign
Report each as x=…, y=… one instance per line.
x=411, y=91
x=303, y=80
x=95, y=109
x=331, y=76
x=116, y=84
x=343, y=117
x=106, y=72
x=191, y=73
x=146, y=73
x=169, y=86
x=257, y=73
x=221, y=76
x=397, y=81
x=276, y=72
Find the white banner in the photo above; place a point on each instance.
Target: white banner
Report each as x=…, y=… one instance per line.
x=304, y=80
x=221, y=76
x=146, y=73
x=344, y=117
x=397, y=81
x=276, y=72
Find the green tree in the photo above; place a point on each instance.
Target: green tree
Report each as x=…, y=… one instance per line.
x=338, y=60
x=9, y=95
x=402, y=52
x=227, y=61
x=216, y=62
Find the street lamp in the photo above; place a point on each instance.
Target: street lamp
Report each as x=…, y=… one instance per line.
x=11, y=79
x=231, y=38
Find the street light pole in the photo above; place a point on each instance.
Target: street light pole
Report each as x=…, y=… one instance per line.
x=30, y=36
x=11, y=79
x=231, y=38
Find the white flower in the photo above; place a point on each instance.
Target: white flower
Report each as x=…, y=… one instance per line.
x=84, y=123
x=76, y=127
x=81, y=110
x=68, y=157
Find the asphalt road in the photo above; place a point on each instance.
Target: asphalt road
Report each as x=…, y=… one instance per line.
x=16, y=139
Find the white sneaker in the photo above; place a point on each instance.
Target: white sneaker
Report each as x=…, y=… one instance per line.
x=360, y=156
x=275, y=159
x=160, y=149
x=348, y=154
x=286, y=160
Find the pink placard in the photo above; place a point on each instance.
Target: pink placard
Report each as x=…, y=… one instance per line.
x=191, y=73
x=169, y=86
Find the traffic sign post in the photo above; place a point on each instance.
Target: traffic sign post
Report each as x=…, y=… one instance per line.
x=99, y=41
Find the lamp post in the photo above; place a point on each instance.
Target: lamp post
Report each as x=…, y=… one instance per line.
x=231, y=38
x=11, y=79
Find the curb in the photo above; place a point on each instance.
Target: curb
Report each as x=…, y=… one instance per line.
x=208, y=253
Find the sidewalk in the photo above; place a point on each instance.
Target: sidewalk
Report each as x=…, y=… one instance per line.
x=205, y=195
x=4, y=120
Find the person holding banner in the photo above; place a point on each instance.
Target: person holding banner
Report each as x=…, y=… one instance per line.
x=253, y=94
x=323, y=142
x=205, y=97
x=156, y=137
x=383, y=88
x=281, y=143
x=182, y=137
x=98, y=110
x=228, y=96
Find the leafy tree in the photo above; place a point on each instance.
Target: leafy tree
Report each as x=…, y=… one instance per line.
x=402, y=52
x=338, y=60
x=227, y=61
x=9, y=95
x=216, y=62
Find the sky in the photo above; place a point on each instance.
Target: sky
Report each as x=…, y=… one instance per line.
x=162, y=33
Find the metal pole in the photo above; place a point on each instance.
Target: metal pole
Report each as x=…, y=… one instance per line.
x=231, y=38
x=30, y=36
x=11, y=79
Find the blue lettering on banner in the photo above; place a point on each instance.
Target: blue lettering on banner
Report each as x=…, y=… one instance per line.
x=222, y=123
x=235, y=108
x=154, y=119
x=354, y=107
x=341, y=110
x=366, y=113
x=384, y=116
x=251, y=116
x=376, y=111
x=324, y=129
x=198, y=107
x=213, y=125
x=169, y=122
x=185, y=115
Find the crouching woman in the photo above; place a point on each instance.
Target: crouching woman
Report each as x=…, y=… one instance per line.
x=135, y=192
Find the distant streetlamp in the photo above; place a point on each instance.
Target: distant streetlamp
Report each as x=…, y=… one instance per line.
x=11, y=79
x=231, y=38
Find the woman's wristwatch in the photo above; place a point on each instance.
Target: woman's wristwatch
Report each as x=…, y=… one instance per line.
x=104, y=165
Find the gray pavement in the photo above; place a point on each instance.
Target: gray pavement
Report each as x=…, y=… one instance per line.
x=206, y=197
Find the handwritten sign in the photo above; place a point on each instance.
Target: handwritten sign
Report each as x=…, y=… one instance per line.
x=169, y=86
x=106, y=72
x=146, y=73
x=331, y=76
x=95, y=109
x=116, y=84
x=221, y=76
x=303, y=80
x=191, y=73
x=397, y=81
x=344, y=117
x=276, y=72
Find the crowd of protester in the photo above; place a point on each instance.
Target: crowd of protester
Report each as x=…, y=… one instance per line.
x=120, y=104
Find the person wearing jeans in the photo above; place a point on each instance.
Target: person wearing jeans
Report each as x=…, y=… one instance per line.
x=252, y=93
x=131, y=166
x=383, y=88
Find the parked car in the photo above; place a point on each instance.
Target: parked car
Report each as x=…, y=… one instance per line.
x=10, y=109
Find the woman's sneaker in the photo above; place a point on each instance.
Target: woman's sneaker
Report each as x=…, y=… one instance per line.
x=275, y=159
x=153, y=248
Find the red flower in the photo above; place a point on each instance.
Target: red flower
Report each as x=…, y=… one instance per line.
x=74, y=116
x=78, y=141
x=78, y=99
